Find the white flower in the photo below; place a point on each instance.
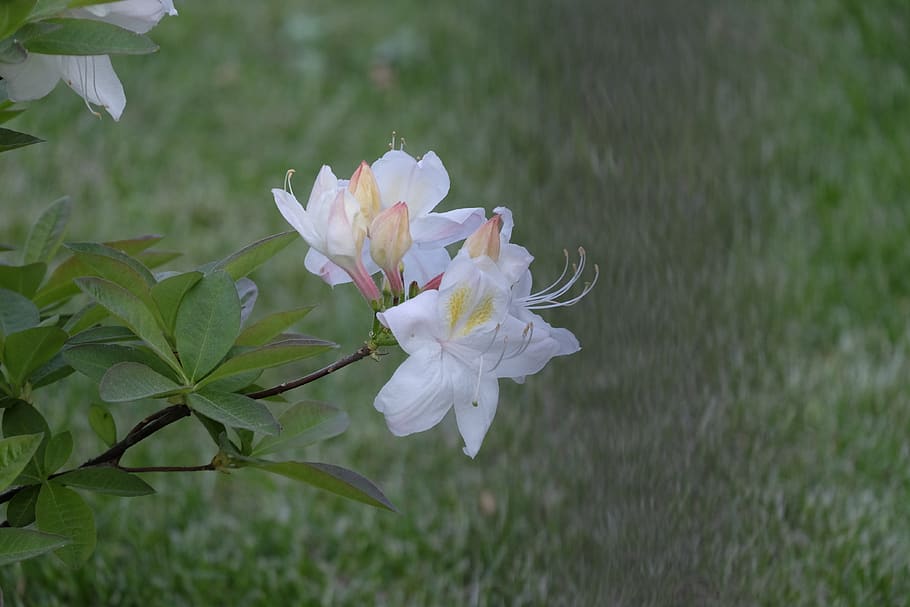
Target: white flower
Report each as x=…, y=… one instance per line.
x=421, y=185
x=91, y=76
x=460, y=340
x=331, y=224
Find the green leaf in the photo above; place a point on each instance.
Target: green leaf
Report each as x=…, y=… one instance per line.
x=100, y=335
x=86, y=317
x=215, y=429
x=254, y=255
x=304, y=423
x=25, y=351
x=22, y=279
x=130, y=309
x=58, y=450
x=234, y=383
x=10, y=140
x=271, y=355
x=154, y=258
x=265, y=329
x=169, y=293
x=7, y=115
x=23, y=419
x=208, y=322
x=17, y=313
x=15, y=453
x=52, y=371
x=13, y=14
x=130, y=381
x=47, y=8
x=103, y=423
x=336, y=479
x=46, y=235
x=105, y=479
x=88, y=37
x=60, y=284
x=234, y=410
x=248, y=292
x=21, y=508
x=62, y=511
x=20, y=544
x=115, y=266
x=94, y=360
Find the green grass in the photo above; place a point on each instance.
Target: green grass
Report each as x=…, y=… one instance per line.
x=733, y=431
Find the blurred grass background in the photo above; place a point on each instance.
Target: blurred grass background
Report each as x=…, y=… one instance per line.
x=733, y=431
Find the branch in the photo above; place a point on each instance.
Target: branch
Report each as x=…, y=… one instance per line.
x=364, y=351
x=169, y=468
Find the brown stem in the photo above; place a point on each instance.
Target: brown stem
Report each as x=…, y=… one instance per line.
x=364, y=351
x=168, y=468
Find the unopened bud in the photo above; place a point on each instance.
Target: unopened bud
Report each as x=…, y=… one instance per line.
x=485, y=240
x=390, y=239
x=365, y=189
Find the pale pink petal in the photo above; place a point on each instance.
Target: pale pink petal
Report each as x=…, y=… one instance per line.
x=324, y=268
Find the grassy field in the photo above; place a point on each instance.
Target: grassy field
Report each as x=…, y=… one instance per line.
x=732, y=431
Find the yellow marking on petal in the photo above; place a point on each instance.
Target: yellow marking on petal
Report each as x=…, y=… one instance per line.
x=479, y=315
x=456, y=305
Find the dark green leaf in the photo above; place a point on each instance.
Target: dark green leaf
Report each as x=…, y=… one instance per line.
x=115, y=266
x=265, y=329
x=52, y=371
x=94, y=360
x=234, y=410
x=20, y=544
x=17, y=313
x=254, y=255
x=215, y=429
x=57, y=452
x=46, y=235
x=133, y=312
x=100, y=335
x=22, y=279
x=10, y=140
x=88, y=37
x=60, y=284
x=246, y=440
x=102, y=422
x=303, y=424
x=154, y=258
x=208, y=322
x=248, y=292
x=105, y=479
x=21, y=419
x=21, y=508
x=25, y=351
x=13, y=14
x=336, y=479
x=86, y=317
x=234, y=383
x=7, y=115
x=130, y=381
x=169, y=293
x=271, y=355
x=15, y=453
x=62, y=512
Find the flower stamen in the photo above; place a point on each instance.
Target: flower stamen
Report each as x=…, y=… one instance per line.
x=287, y=181
x=549, y=297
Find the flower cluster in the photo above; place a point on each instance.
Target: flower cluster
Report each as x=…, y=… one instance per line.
x=91, y=76
x=471, y=322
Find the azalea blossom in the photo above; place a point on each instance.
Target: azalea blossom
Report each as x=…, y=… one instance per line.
x=332, y=224
x=421, y=185
x=461, y=339
x=91, y=76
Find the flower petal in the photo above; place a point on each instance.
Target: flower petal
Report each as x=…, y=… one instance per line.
x=94, y=79
x=299, y=219
x=324, y=268
x=417, y=396
x=474, y=417
x=441, y=229
x=32, y=79
x=529, y=345
x=135, y=15
x=420, y=184
x=420, y=265
x=414, y=323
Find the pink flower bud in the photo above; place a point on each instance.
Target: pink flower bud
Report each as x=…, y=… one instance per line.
x=390, y=239
x=365, y=189
x=485, y=240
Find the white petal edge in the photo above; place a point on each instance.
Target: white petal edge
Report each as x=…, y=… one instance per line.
x=441, y=229
x=94, y=79
x=417, y=396
x=474, y=420
x=32, y=79
x=420, y=184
